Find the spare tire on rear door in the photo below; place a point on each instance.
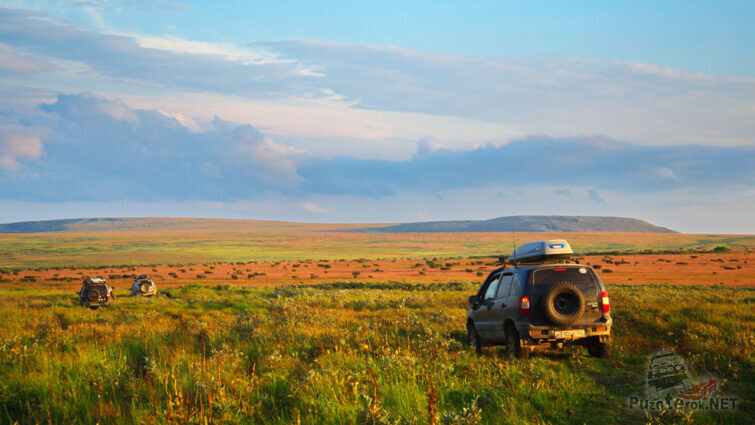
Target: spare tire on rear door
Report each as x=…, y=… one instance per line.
x=93, y=294
x=144, y=287
x=563, y=303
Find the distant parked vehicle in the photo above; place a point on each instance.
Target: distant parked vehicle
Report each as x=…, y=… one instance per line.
x=143, y=286
x=95, y=293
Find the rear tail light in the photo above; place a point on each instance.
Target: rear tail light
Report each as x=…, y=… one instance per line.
x=604, y=301
x=524, y=306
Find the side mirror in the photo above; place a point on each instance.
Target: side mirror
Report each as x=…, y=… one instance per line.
x=474, y=300
x=502, y=259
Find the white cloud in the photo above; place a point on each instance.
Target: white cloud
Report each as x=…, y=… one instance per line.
x=667, y=173
x=17, y=64
x=18, y=143
x=313, y=208
x=175, y=44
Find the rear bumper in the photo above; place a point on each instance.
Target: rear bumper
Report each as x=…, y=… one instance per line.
x=535, y=335
x=88, y=303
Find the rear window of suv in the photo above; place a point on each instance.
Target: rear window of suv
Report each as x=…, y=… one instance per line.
x=583, y=277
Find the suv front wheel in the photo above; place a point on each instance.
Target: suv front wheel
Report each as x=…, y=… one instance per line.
x=473, y=338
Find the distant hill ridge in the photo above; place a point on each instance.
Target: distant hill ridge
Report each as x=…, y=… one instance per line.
x=44, y=226
x=522, y=223
x=527, y=223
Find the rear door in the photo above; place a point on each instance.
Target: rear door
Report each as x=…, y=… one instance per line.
x=583, y=278
x=512, y=298
x=482, y=316
x=499, y=309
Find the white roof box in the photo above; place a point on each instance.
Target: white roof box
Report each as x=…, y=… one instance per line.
x=534, y=252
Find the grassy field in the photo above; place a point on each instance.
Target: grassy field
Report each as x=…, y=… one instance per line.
x=270, y=324
x=346, y=353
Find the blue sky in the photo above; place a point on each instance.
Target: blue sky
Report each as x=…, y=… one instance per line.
x=379, y=111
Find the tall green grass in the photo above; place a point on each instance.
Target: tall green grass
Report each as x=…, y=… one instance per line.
x=345, y=353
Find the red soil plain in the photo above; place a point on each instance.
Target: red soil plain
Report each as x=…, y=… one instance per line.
x=702, y=267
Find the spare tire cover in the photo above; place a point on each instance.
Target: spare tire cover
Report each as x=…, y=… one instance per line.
x=563, y=303
x=144, y=287
x=93, y=294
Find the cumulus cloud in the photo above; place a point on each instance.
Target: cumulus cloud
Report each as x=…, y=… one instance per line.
x=667, y=173
x=17, y=144
x=313, y=208
x=105, y=150
x=272, y=162
x=601, y=163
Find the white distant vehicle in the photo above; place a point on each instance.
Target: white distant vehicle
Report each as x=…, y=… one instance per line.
x=143, y=286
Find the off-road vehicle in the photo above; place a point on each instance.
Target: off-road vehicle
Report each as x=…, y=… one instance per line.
x=95, y=293
x=543, y=300
x=143, y=286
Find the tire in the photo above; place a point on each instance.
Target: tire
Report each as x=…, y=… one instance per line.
x=563, y=304
x=144, y=287
x=600, y=350
x=514, y=344
x=93, y=295
x=473, y=338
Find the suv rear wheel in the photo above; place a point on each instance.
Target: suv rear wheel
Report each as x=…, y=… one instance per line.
x=473, y=339
x=514, y=344
x=599, y=349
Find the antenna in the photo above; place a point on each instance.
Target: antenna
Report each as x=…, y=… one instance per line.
x=513, y=236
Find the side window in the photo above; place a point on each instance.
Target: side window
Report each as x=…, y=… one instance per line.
x=521, y=279
x=516, y=286
x=492, y=288
x=503, y=287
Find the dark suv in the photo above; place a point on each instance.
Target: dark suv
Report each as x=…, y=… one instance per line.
x=95, y=293
x=541, y=305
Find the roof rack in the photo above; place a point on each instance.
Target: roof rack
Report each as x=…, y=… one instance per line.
x=541, y=252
